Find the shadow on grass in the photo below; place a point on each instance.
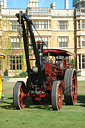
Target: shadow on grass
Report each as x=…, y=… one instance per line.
x=81, y=100
x=7, y=103
x=47, y=105
x=42, y=105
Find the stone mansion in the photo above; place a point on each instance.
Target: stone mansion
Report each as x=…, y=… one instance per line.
x=59, y=28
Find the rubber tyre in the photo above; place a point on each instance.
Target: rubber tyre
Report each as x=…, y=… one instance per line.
x=18, y=95
x=66, y=90
x=57, y=95
x=70, y=93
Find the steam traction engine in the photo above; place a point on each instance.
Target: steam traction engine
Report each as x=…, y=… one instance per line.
x=50, y=78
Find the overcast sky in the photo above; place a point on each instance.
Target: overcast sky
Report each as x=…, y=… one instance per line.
x=42, y=3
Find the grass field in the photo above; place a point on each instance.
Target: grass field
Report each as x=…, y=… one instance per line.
x=41, y=116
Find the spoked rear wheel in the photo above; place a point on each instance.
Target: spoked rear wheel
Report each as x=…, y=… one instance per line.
x=57, y=95
x=19, y=92
x=70, y=93
x=0, y=87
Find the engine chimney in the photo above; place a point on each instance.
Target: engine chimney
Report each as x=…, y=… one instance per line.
x=40, y=50
x=66, y=4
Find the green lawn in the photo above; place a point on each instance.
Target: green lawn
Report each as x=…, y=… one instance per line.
x=41, y=116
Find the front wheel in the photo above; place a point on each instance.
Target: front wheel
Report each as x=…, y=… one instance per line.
x=19, y=92
x=57, y=95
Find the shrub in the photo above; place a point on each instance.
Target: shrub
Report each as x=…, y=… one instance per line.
x=6, y=72
x=73, y=63
x=23, y=74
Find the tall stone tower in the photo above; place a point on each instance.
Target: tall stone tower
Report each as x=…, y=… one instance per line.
x=32, y=3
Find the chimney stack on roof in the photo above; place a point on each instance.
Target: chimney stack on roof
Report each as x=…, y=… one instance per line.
x=52, y=5
x=3, y=4
x=66, y=4
x=32, y=3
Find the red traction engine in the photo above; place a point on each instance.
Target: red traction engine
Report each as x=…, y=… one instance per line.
x=50, y=78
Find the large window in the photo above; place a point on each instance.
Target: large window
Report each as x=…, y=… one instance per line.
x=83, y=24
x=15, y=63
x=83, y=61
x=83, y=41
x=45, y=39
x=15, y=43
x=62, y=42
x=79, y=42
x=78, y=25
x=14, y=25
x=63, y=25
x=79, y=62
x=41, y=24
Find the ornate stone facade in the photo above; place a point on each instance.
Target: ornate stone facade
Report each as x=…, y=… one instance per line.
x=63, y=29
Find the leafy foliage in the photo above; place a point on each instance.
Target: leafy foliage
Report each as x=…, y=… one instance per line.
x=21, y=75
x=73, y=63
x=24, y=74
x=6, y=72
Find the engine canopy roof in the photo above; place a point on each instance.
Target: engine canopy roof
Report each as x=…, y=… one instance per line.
x=57, y=52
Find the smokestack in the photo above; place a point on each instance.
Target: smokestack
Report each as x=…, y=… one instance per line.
x=66, y=4
x=40, y=50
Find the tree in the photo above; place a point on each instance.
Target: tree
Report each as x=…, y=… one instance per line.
x=6, y=72
x=73, y=63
